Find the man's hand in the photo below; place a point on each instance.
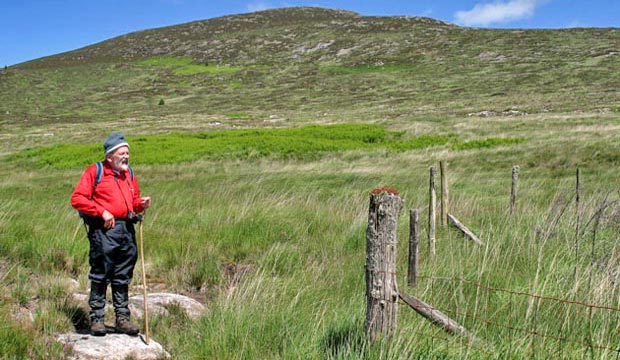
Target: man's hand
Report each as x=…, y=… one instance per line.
x=146, y=202
x=108, y=219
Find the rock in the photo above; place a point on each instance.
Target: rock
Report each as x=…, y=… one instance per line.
x=157, y=303
x=484, y=113
x=111, y=347
x=80, y=298
x=23, y=314
x=69, y=283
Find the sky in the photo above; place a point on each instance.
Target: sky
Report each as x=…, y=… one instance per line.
x=31, y=29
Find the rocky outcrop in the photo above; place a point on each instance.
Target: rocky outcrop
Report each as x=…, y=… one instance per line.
x=115, y=346
x=112, y=347
x=157, y=303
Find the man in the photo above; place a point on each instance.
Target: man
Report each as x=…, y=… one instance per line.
x=110, y=208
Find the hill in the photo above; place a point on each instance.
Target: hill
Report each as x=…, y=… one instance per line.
x=314, y=64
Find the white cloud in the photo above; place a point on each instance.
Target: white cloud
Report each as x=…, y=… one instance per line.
x=484, y=14
x=258, y=6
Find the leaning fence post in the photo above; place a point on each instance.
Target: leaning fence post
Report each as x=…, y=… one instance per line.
x=381, y=244
x=443, y=167
x=513, y=192
x=432, y=206
x=414, y=242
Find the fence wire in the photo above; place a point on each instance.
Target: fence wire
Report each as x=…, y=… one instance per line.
x=576, y=327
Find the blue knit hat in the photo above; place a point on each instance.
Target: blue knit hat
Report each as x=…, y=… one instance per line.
x=113, y=142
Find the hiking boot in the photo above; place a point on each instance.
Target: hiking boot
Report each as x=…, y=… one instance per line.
x=125, y=326
x=97, y=327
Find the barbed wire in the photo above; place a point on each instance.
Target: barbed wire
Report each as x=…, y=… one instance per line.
x=523, y=293
x=545, y=335
x=532, y=332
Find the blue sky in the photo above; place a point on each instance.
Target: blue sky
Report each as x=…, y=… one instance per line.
x=35, y=28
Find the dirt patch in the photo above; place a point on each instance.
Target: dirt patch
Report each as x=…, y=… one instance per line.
x=233, y=274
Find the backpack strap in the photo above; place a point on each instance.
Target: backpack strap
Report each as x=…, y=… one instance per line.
x=130, y=173
x=98, y=176
x=88, y=220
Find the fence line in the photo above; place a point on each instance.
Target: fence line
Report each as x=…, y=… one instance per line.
x=471, y=345
x=561, y=339
x=568, y=323
x=536, y=296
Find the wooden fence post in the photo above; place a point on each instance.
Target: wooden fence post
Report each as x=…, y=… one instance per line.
x=414, y=242
x=432, y=206
x=577, y=219
x=465, y=230
x=381, y=245
x=513, y=191
x=445, y=202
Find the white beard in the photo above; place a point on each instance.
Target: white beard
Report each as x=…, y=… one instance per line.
x=120, y=165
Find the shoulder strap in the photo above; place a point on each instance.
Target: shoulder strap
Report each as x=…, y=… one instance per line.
x=98, y=176
x=131, y=173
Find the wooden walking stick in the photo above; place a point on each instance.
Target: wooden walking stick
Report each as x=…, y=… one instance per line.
x=146, y=312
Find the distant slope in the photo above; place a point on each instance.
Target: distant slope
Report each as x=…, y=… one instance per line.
x=265, y=37
x=302, y=62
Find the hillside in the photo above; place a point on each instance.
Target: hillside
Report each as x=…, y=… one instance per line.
x=313, y=64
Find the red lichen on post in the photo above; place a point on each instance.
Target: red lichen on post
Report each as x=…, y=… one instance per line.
x=384, y=189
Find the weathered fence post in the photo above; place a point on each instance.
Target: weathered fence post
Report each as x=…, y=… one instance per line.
x=513, y=191
x=432, y=206
x=414, y=242
x=381, y=245
x=577, y=219
x=465, y=230
x=445, y=202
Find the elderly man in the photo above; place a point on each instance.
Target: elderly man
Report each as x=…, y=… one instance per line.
x=108, y=198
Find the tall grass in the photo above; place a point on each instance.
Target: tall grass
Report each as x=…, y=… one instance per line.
x=275, y=245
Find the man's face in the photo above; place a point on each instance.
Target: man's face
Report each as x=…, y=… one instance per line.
x=119, y=159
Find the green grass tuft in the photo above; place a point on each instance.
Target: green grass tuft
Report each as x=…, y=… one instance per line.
x=307, y=142
x=185, y=66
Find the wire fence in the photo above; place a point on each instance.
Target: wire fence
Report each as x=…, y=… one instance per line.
x=525, y=324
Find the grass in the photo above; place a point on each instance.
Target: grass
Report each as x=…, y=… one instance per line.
x=364, y=69
x=186, y=66
x=294, y=230
x=487, y=143
x=310, y=141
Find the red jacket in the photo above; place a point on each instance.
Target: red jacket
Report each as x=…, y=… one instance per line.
x=118, y=194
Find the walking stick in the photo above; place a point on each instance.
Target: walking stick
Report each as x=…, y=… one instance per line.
x=146, y=312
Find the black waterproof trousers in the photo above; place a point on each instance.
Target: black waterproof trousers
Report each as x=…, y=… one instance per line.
x=113, y=256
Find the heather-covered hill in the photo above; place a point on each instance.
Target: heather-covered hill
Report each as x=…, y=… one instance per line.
x=316, y=64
